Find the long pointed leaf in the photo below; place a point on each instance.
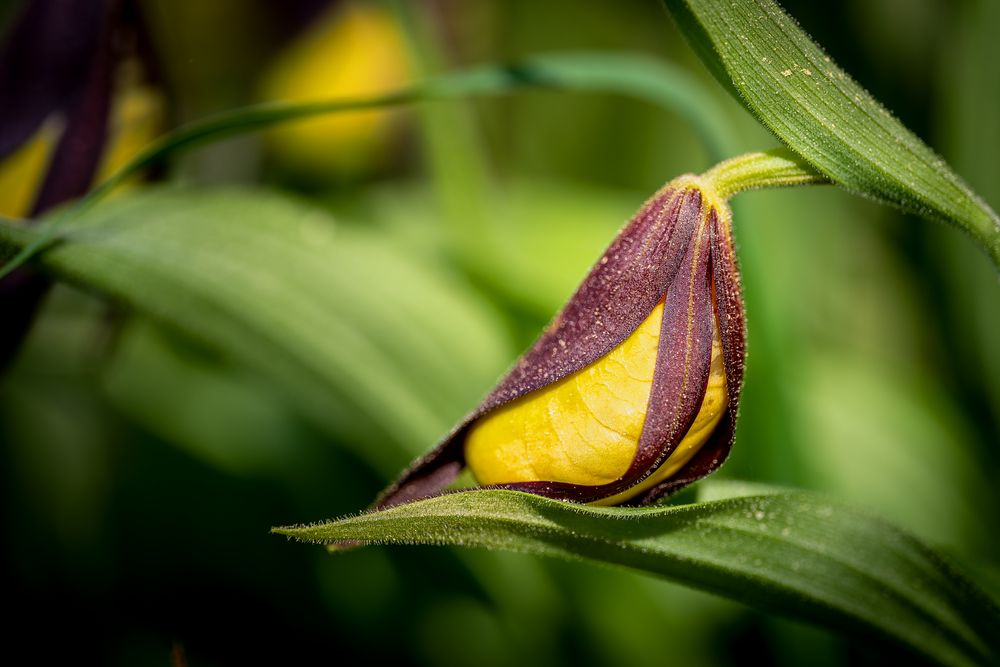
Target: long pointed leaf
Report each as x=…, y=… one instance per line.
x=793, y=88
x=788, y=552
x=352, y=327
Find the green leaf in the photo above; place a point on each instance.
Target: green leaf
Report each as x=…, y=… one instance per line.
x=812, y=105
x=548, y=235
x=634, y=75
x=218, y=414
x=353, y=327
x=788, y=552
x=655, y=81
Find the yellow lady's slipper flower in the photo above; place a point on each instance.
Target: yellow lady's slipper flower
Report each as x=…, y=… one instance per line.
x=586, y=427
x=632, y=392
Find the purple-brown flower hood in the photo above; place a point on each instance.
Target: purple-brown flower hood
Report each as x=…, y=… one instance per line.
x=678, y=248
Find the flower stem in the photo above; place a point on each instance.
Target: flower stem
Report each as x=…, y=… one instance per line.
x=778, y=167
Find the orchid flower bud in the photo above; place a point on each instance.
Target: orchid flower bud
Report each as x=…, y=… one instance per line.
x=632, y=392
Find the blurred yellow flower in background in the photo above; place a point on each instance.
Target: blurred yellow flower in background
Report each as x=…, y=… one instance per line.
x=354, y=50
x=138, y=116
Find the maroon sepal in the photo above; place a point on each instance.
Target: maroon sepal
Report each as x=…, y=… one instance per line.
x=666, y=252
x=44, y=63
x=731, y=317
x=58, y=59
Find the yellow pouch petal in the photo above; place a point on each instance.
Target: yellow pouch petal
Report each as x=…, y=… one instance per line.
x=585, y=428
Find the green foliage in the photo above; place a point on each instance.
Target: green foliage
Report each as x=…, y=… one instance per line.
x=383, y=338
x=350, y=325
x=655, y=81
x=784, y=551
x=815, y=107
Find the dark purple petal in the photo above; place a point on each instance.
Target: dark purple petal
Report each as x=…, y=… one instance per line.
x=732, y=332
x=706, y=460
x=615, y=298
x=43, y=63
x=59, y=59
x=729, y=307
x=77, y=156
x=683, y=362
x=632, y=276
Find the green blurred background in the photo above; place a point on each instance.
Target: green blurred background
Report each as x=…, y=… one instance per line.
x=141, y=470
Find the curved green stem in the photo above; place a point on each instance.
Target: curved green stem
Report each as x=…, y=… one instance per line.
x=778, y=167
x=636, y=76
